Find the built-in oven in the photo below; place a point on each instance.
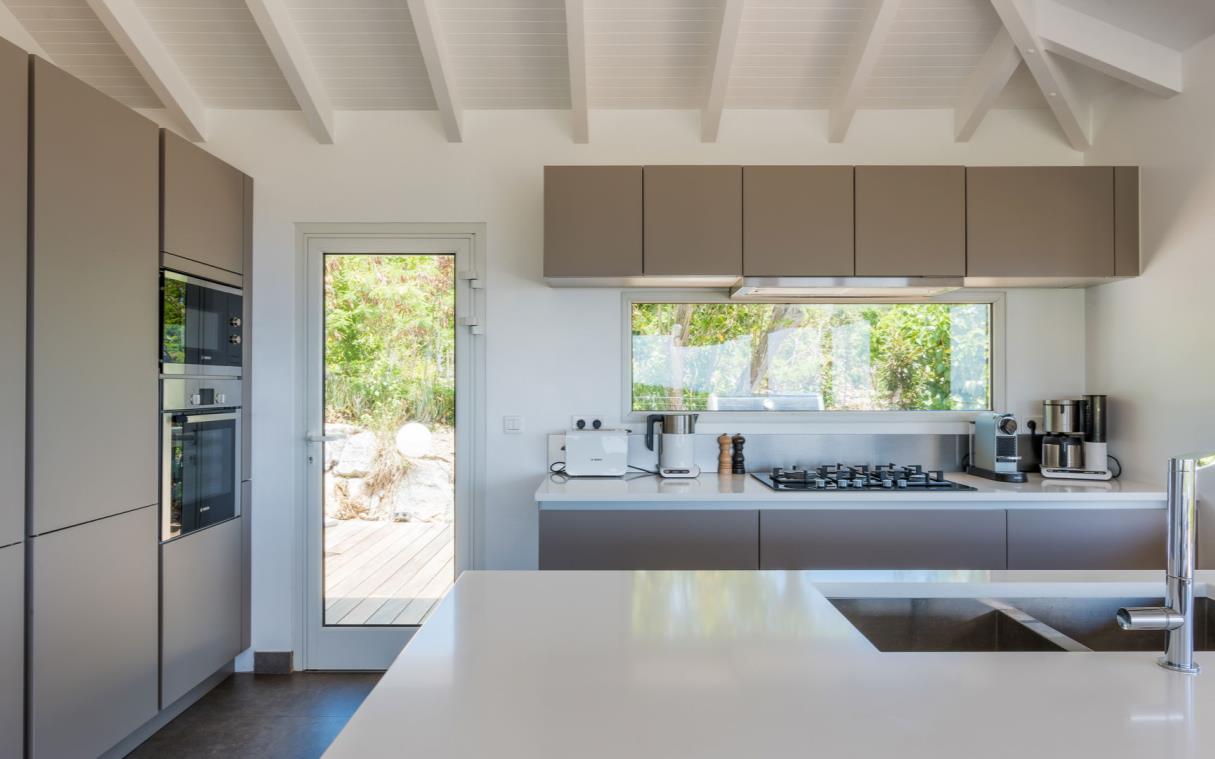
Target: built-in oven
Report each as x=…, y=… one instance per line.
x=201, y=453
x=200, y=326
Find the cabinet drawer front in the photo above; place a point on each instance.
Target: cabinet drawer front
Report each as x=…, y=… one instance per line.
x=910, y=221
x=592, y=221
x=882, y=539
x=1087, y=539
x=639, y=539
x=1040, y=221
x=693, y=220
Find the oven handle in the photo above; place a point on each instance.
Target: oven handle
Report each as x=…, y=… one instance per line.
x=195, y=418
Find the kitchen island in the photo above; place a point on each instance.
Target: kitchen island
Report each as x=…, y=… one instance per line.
x=736, y=522
x=658, y=665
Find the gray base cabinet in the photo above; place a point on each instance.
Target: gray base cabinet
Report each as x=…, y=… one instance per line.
x=635, y=539
x=882, y=539
x=93, y=636
x=14, y=149
x=12, y=650
x=201, y=611
x=1087, y=539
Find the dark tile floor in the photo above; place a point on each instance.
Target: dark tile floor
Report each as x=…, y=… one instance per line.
x=265, y=716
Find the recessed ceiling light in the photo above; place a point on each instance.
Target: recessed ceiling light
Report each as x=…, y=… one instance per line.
x=1054, y=94
x=1030, y=50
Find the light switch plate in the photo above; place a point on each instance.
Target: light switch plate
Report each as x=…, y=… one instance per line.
x=512, y=425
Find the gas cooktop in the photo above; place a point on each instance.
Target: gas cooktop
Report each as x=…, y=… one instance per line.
x=858, y=478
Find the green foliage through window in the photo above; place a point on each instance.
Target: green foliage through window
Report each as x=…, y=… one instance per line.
x=810, y=357
x=390, y=340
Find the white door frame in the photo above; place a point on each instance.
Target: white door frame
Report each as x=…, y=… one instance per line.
x=367, y=647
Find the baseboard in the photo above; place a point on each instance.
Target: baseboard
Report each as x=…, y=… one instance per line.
x=166, y=715
x=273, y=662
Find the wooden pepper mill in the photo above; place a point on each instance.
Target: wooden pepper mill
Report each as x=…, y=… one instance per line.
x=725, y=462
x=740, y=462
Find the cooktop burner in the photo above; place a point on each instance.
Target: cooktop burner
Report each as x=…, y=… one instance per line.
x=856, y=478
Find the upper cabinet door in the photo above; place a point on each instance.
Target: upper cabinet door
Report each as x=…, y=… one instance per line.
x=14, y=146
x=693, y=220
x=1126, y=221
x=798, y=221
x=910, y=221
x=1040, y=221
x=592, y=221
x=94, y=291
x=202, y=206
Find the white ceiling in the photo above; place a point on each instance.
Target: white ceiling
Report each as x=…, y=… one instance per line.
x=366, y=54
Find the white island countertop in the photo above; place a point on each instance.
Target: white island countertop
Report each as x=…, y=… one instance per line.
x=729, y=491
x=726, y=665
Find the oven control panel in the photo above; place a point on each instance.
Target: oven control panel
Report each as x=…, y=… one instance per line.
x=189, y=394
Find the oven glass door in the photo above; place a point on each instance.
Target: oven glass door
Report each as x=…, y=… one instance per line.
x=201, y=330
x=202, y=459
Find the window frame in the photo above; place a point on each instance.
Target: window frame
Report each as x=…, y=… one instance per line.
x=826, y=421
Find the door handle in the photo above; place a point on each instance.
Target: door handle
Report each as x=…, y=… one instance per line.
x=317, y=438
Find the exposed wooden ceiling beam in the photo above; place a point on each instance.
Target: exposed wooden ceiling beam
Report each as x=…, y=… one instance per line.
x=874, y=26
x=274, y=21
x=984, y=85
x=15, y=32
x=1109, y=49
x=723, y=61
x=575, y=44
x=131, y=30
x=1073, y=116
x=425, y=18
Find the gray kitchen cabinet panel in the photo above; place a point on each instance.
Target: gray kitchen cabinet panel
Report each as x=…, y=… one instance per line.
x=14, y=147
x=201, y=600
x=93, y=634
x=246, y=360
x=94, y=305
x=1040, y=221
x=798, y=221
x=246, y=564
x=592, y=221
x=12, y=650
x=637, y=539
x=1087, y=539
x=202, y=205
x=1126, y=221
x=882, y=539
x=693, y=220
x=910, y=221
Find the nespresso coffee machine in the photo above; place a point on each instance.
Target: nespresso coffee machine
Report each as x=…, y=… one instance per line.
x=993, y=451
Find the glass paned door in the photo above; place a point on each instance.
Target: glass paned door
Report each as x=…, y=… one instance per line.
x=389, y=453
x=393, y=381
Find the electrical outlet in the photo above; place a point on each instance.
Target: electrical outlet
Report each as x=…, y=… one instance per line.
x=586, y=422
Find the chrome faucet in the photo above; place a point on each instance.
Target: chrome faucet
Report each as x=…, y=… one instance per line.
x=1177, y=615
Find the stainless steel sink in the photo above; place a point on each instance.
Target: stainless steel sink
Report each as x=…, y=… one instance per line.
x=1015, y=624
x=940, y=624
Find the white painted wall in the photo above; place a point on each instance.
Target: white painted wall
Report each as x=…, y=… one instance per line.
x=1150, y=346
x=550, y=352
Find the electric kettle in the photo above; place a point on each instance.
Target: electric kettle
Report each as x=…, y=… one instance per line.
x=677, y=446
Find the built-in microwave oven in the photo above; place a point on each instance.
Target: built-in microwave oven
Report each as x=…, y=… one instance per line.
x=201, y=454
x=200, y=327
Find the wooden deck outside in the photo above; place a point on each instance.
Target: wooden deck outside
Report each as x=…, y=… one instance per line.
x=386, y=573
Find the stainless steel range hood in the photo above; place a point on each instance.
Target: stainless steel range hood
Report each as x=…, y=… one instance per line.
x=784, y=288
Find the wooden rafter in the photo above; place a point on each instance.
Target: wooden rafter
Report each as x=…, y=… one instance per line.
x=425, y=19
x=274, y=20
x=575, y=44
x=984, y=85
x=862, y=58
x=723, y=61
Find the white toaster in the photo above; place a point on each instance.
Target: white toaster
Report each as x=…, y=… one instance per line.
x=596, y=453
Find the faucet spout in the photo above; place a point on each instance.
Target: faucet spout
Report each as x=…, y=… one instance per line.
x=1177, y=615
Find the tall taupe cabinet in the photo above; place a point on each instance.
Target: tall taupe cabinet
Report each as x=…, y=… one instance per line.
x=93, y=284
x=14, y=145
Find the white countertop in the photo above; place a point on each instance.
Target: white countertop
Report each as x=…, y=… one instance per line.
x=725, y=665
x=730, y=491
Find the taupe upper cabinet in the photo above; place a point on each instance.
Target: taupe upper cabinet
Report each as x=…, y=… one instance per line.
x=910, y=221
x=14, y=146
x=94, y=305
x=797, y=221
x=203, y=206
x=693, y=220
x=592, y=221
x=1042, y=221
